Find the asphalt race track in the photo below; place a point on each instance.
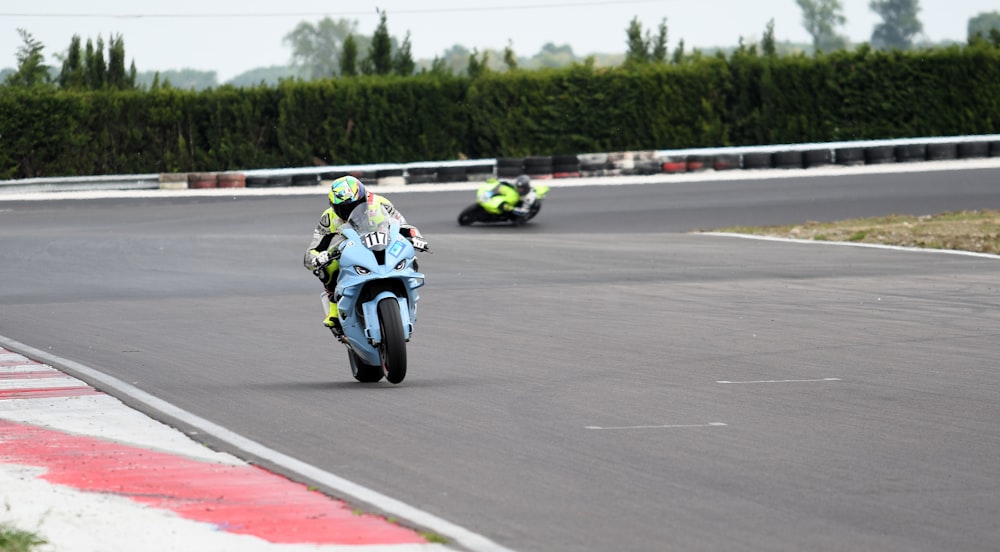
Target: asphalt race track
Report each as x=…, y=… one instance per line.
x=602, y=379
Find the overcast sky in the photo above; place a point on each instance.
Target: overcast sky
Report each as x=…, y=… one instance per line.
x=233, y=36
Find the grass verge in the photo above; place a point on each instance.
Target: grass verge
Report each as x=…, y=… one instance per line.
x=977, y=231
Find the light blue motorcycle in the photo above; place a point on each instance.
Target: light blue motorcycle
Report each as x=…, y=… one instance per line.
x=376, y=293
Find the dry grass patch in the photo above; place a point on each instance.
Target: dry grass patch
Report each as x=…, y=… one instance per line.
x=977, y=231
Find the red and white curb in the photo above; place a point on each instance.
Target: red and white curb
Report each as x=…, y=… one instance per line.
x=87, y=473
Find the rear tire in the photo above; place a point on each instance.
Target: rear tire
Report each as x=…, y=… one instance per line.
x=393, y=346
x=365, y=373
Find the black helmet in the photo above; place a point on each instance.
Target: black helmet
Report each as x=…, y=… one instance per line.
x=523, y=184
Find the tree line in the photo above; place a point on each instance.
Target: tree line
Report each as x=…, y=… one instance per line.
x=335, y=49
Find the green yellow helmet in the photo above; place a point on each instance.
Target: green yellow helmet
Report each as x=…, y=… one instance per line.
x=345, y=194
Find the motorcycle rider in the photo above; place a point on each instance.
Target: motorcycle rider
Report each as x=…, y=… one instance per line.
x=522, y=184
x=346, y=193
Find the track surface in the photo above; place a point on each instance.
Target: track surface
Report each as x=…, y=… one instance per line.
x=598, y=380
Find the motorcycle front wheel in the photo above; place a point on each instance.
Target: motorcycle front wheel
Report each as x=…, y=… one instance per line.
x=393, y=346
x=534, y=210
x=469, y=215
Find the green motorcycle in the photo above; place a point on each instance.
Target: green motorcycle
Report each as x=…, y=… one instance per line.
x=500, y=202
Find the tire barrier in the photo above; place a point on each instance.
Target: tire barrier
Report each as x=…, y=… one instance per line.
x=646, y=162
x=878, y=155
x=305, y=179
x=479, y=173
x=698, y=163
x=627, y=163
x=255, y=181
x=278, y=181
x=758, y=160
x=817, y=158
x=390, y=177
x=538, y=167
x=231, y=180
x=565, y=166
x=201, y=181
x=849, y=156
x=726, y=162
x=421, y=175
x=510, y=167
x=942, y=151
x=791, y=159
x=173, y=181
x=329, y=176
x=593, y=164
x=674, y=164
x=973, y=150
x=908, y=153
x=452, y=173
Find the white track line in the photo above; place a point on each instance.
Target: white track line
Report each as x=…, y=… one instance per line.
x=780, y=381
x=669, y=426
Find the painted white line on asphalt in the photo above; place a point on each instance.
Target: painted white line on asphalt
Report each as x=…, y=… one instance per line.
x=780, y=381
x=854, y=244
x=669, y=426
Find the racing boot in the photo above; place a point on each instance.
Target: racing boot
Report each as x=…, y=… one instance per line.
x=332, y=321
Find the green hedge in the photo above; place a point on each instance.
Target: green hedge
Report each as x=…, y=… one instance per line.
x=746, y=99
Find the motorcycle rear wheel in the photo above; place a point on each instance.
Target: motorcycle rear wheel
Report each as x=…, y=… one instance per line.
x=393, y=346
x=365, y=373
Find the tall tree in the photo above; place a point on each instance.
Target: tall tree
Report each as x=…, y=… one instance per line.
x=97, y=69
x=73, y=75
x=643, y=48
x=402, y=60
x=317, y=49
x=117, y=76
x=509, y=58
x=638, y=45
x=767, y=44
x=821, y=19
x=678, y=56
x=349, y=57
x=379, y=60
x=659, y=53
x=81, y=70
x=31, y=69
x=478, y=66
x=899, y=23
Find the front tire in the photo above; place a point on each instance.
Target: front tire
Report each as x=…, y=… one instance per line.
x=393, y=346
x=469, y=215
x=534, y=210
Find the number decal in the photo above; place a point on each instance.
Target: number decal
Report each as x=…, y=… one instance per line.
x=373, y=239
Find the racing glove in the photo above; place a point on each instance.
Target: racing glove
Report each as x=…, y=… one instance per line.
x=418, y=241
x=320, y=258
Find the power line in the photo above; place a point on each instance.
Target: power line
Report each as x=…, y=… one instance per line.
x=327, y=14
